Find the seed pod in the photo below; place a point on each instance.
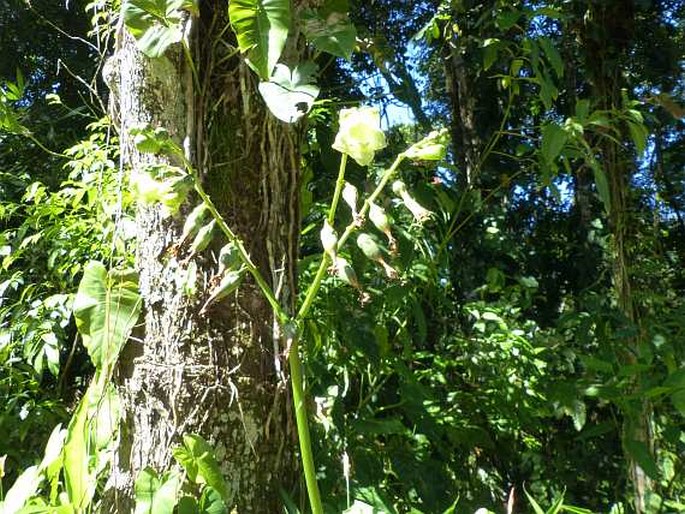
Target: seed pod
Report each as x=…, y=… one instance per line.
x=203, y=238
x=329, y=239
x=228, y=284
x=367, y=245
x=381, y=221
x=346, y=273
x=229, y=258
x=350, y=194
x=193, y=222
x=418, y=211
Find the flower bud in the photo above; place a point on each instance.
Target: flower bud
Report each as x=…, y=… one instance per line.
x=229, y=283
x=430, y=148
x=229, y=258
x=381, y=221
x=329, y=239
x=194, y=221
x=346, y=273
x=372, y=251
x=203, y=237
x=418, y=211
x=349, y=194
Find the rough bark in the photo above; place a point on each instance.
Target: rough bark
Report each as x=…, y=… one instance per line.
x=215, y=374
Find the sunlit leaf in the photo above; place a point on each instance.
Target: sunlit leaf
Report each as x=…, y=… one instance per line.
x=261, y=27
x=289, y=96
x=106, y=308
x=197, y=458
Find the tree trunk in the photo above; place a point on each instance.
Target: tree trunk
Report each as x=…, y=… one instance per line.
x=215, y=374
x=606, y=40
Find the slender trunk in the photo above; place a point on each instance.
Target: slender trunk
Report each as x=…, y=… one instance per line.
x=463, y=102
x=217, y=374
x=607, y=37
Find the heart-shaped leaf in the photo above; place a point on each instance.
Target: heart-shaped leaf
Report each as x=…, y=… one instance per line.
x=290, y=95
x=106, y=307
x=261, y=27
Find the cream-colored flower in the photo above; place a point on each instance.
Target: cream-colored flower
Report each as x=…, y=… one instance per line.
x=360, y=135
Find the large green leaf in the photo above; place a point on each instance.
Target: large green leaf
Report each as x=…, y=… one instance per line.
x=553, y=141
x=156, y=24
x=261, y=27
x=290, y=95
x=106, y=308
x=154, y=494
x=197, y=458
x=80, y=480
x=329, y=28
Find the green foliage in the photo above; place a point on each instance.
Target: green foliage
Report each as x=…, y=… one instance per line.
x=201, y=489
x=156, y=24
x=290, y=95
x=328, y=28
x=106, y=308
x=261, y=27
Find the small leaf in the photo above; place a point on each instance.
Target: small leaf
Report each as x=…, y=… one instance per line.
x=197, y=458
x=602, y=185
x=552, y=55
x=156, y=24
x=154, y=495
x=211, y=502
x=553, y=141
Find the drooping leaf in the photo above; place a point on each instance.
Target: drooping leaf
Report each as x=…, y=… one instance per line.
x=289, y=96
x=106, y=308
x=602, y=184
x=261, y=27
x=80, y=481
x=329, y=28
x=553, y=141
x=552, y=55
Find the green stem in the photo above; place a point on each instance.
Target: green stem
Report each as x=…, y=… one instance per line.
x=372, y=197
x=338, y=189
x=244, y=256
x=325, y=259
x=303, y=427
